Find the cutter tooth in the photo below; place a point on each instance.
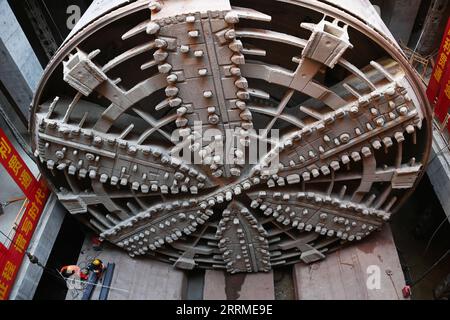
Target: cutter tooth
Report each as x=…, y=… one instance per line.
x=366, y=152
x=325, y=170
x=356, y=156
x=306, y=176
x=194, y=34
x=190, y=19
x=153, y=28
x=345, y=159
x=293, y=179
x=315, y=173
x=399, y=137
x=410, y=129
x=184, y=49
x=388, y=142
x=376, y=145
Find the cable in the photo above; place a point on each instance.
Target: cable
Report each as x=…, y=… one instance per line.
x=11, y=201
x=438, y=153
x=434, y=234
x=53, y=21
x=7, y=237
x=34, y=260
x=17, y=135
x=430, y=269
x=92, y=283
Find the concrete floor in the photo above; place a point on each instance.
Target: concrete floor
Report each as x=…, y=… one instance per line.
x=134, y=279
x=284, y=283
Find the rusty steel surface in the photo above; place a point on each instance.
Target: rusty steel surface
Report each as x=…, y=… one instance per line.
x=236, y=135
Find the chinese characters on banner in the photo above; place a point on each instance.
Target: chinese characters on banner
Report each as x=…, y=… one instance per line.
x=15, y=166
x=438, y=91
x=37, y=194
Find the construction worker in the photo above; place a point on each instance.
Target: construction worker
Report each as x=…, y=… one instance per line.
x=69, y=271
x=96, y=266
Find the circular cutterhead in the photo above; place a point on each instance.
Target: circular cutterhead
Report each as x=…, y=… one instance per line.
x=239, y=136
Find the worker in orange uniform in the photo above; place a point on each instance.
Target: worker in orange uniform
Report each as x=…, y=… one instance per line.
x=69, y=271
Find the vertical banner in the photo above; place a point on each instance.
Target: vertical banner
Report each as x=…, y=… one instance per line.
x=3, y=250
x=438, y=91
x=16, y=167
x=37, y=194
x=443, y=101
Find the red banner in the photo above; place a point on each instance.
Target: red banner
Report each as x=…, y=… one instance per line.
x=438, y=91
x=16, y=167
x=443, y=100
x=3, y=251
x=37, y=193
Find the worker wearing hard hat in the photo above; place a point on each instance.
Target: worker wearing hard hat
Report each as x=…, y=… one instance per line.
x=96, y=266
